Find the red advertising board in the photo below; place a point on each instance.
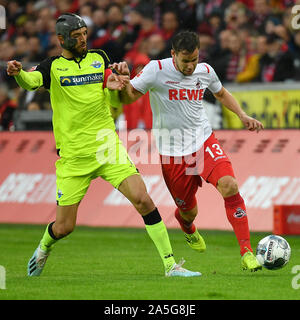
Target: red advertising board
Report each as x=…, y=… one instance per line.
x=266, y=166
x=286, y=219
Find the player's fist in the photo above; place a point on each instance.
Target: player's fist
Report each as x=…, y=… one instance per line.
x=117, y=82
x=121, y=68
x=13, y=67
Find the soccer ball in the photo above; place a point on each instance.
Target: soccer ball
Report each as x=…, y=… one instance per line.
x=273, y=252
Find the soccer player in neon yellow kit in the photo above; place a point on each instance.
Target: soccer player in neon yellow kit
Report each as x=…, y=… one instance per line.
x=82, y=87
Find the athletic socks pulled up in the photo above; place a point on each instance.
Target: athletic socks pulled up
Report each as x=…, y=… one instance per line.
x=158, y=233
x=48, y=239
x=155, y=228
x=237, y=216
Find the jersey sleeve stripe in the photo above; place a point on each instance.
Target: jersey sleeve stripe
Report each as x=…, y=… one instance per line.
x=207, y=68
x=106, y=75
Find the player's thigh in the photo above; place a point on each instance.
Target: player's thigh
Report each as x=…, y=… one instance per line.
x=216, y=162
x=71, y=185
x=124, y=176
x=117, y=171
x=182, y=186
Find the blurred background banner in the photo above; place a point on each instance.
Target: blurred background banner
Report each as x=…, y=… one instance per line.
x=276, y=105
x=266, y=167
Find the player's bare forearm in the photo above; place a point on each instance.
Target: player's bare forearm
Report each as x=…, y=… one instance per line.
x=129, y=94
x=229, y=101
x=226, y=99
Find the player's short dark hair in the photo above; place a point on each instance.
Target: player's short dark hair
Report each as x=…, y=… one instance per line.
x=185, y=41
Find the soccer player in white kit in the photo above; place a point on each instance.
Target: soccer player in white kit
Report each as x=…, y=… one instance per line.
x=188, y=149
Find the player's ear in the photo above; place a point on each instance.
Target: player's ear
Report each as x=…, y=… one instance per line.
x=60, y=39
x=172, y=53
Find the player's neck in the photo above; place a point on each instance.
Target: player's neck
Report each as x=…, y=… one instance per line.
x=71, y=56
x=174, y=63
x=67, y=54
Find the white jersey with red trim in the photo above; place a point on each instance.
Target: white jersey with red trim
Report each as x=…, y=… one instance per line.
x=180, y=123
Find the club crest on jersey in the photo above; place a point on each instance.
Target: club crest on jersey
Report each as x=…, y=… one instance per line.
x=32, y=69
x=96, y=64
x=198, y=83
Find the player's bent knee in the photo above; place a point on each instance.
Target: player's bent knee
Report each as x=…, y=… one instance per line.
x=228, y=186
x=143, y=203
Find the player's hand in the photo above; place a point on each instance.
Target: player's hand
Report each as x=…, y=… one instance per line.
x=13, y=67
x=251, y=123
x=117, y=82
x=121, y=68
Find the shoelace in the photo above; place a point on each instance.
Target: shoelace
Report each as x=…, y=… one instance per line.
x=191, y=238
x=40, y=263
x=41, y=259
x=179, y=264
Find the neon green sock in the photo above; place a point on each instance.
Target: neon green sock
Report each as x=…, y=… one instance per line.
x=47, y=241
x=159, y=235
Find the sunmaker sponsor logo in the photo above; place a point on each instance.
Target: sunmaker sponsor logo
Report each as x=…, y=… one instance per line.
x=81, y=80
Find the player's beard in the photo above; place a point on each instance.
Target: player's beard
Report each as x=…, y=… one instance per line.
x=79, y=52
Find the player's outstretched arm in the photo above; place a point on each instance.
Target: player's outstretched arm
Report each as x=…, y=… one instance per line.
x=128, y=94
x=27, y=80
x=226, y=98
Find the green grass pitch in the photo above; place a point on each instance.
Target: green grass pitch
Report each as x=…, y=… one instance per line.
x=123, y=264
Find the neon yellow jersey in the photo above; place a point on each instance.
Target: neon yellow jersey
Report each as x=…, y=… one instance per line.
x=81, y=107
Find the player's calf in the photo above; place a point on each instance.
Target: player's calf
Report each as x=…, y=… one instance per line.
x=61, y=230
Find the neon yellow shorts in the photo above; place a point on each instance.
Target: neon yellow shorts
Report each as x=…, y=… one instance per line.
x=74, y=175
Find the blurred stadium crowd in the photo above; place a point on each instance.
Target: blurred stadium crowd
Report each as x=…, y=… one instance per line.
x=245, y=41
